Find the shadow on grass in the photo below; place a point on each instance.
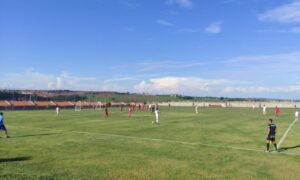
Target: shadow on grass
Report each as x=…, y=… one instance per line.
x=15, y=159
x=32, y=135
x=287, y=148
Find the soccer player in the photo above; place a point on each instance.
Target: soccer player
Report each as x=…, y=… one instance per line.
x=143, y=107
x=276, y=111
x=106, y=112
x=129, y=112
x=157, y=114
x=264, y=110
x=196, y=109
x=297, y=115
x=2, y=126
x=121, y=107
x=57, y=111
x=271, y=135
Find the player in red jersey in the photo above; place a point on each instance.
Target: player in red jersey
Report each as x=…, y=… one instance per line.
x=276, y=111
x=106, y=112
x=129, y=112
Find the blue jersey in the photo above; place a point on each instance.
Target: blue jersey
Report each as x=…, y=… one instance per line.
x=1, y=119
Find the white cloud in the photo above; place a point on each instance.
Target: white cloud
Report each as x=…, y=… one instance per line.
x=180, y=85
x=164, y=22
x=214, y=28
x=31, y=79
x=287, y=13
x=262, y=89
x=182, y=3
x=211, y=87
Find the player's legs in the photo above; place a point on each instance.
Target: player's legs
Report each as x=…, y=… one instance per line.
x=268, y=146
x=3, y=128
x=157, y=117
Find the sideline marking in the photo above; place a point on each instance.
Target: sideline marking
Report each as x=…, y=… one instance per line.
x=286, y=133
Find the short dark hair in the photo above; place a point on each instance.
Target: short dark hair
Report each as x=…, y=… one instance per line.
x=271, y=120
x=1, y=113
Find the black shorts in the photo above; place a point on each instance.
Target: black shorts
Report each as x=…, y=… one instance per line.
x=271, y=137
x=2, y=127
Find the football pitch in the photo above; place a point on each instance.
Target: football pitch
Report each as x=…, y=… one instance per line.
x=217, y=143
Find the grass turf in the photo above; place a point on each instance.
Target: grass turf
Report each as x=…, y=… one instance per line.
x=185, y=145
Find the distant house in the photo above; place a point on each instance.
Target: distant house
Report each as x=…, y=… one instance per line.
x=44, y=104
x=117, y=104
x=5, y=105
x=22, y=105
x=65, y=104
x=83, y=104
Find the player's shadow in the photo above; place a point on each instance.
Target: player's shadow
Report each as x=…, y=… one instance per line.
x=15, y=159
x=287, y=148
x=32, y=135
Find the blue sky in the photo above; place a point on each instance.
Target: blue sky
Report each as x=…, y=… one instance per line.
x=232, y=48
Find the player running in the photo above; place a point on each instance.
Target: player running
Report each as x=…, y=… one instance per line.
x=271, y=135
x=2, y=126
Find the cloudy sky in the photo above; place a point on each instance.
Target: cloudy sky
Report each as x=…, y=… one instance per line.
x=232, y=48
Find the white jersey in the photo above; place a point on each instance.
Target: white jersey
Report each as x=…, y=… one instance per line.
x=296, y=114
x=157, y=114
x=196, y=109
x=264, y=110
x=57, y=111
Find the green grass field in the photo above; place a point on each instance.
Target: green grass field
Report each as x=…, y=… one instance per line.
x=217, y=143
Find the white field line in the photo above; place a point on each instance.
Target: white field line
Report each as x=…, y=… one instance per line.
x=286, y=133
x=160, y=140
x=86, y=122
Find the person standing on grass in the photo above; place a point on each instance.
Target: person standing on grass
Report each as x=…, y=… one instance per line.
x=271, y=135
x=129, y=112
x=2, y=126
x=121, y=107
x=57, y=111
x=196, y=109
x=276, y=111
x=143, y=107
x=106, y=112
x=157, y=114
x=264, y=110
x=297, y=115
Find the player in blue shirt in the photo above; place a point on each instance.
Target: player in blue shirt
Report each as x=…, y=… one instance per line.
x=271, y=135
x=2, y=126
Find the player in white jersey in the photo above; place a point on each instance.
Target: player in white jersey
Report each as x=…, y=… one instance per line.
x=157, y=114
x=196, y=109
x=264, y=110
x=297, y=115
x=57, y=110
